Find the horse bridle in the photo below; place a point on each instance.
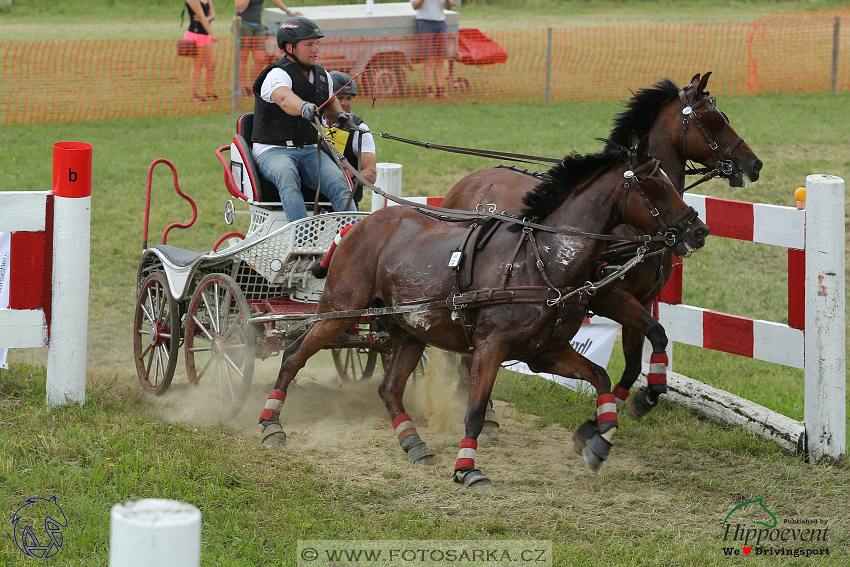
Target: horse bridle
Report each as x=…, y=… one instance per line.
x=649, y=185
x=710, y=123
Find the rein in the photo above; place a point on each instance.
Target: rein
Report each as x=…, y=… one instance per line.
x=461, y=301
x=457, y=215
x=521, y=158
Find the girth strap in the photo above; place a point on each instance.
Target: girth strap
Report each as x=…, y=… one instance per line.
x=462, y=274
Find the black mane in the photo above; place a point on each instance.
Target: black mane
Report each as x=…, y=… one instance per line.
x=560, y=181
x=642, y=110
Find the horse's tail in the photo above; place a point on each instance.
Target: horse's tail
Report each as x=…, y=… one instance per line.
x=320, y=270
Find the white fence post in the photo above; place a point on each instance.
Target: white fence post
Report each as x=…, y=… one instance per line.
x=154, y=533
x=388, y=179
x=66, y=358
x=825, y=409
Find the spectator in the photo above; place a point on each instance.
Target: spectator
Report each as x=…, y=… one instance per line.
x=252, y=33
x=287, y=95
x=431, y=21
x=201, y=15
x=357, y=147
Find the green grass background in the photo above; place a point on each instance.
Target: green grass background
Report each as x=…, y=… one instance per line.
x=119, y=447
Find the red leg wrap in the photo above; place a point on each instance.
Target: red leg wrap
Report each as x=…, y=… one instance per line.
x=466, y=455
x=403, y=426
x=657, y=369
x=273, y=405
x=326, y=261
x=621, y=394
x=606, y=409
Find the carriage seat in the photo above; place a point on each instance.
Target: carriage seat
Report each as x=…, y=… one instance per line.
x=178, y=256
x=260, y=190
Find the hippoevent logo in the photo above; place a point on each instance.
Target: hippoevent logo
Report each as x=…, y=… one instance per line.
x=38, y=527
x=752, y=529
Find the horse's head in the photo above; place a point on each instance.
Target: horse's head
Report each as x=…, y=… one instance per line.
x=708, y=138
x=651, y=203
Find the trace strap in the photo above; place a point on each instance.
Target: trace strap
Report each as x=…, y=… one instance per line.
x=464, y=300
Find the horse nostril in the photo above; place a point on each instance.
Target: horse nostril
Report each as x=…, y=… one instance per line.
x=701, y=233
x=757, y=165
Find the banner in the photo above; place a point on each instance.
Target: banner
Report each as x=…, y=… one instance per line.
x=5, y=250
x=595, y=341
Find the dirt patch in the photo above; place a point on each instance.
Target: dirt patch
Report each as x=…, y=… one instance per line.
x=344, y=429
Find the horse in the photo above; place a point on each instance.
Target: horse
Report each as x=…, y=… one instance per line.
x=682, y=124
x=525, y=302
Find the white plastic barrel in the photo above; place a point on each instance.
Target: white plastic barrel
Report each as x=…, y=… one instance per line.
x=154, y=533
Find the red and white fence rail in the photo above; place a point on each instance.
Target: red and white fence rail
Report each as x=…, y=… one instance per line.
x=813, y=339
x=49, y=271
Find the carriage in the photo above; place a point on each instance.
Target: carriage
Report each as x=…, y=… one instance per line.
x=226, y=307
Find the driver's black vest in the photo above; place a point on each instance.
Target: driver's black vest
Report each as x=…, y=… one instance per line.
x=274, y=126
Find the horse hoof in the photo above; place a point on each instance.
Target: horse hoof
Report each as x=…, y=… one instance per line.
x=473, y=478
x=273, y=436
x=582, y=433
x=596, y=452
x=319, y=272
x=490, y=432
x=491, y=426
x=420, y=455
x=639, y=405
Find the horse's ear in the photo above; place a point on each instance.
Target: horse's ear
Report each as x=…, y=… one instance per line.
x=643, y=149
x=695, y=80
x=633, y=139
x=703, y=83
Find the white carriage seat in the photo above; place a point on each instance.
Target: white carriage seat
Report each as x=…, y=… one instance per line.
x=178, y=256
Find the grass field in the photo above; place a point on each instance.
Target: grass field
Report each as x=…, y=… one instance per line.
x=156, y=19
x=672, y=477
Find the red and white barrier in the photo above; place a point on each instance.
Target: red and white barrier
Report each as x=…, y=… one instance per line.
x=813, y=339
x=49, y=271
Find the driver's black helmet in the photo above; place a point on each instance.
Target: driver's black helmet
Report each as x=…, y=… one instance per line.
x=339, y=78
x=295, y=29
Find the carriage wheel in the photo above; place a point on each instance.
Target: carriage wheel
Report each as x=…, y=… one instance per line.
x=350, y=362
x=220, y=344
x=156, y=334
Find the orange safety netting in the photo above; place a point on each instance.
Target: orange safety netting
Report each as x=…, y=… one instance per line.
x=94, y=80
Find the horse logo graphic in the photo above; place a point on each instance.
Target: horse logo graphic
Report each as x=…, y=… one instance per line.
x=756, y=507
x=32, y=541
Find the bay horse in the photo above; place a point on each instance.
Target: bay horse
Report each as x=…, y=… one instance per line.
x=524, y=304
x=682, y=124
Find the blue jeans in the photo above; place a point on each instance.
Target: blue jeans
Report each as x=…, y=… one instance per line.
x=287, y=168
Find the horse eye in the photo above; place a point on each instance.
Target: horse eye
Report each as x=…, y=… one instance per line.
x=713, y=121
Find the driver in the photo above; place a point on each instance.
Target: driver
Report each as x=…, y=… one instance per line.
x=287, y=95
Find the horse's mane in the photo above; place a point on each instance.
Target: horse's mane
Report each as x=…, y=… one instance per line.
x=642, y=110
x=561, y=180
